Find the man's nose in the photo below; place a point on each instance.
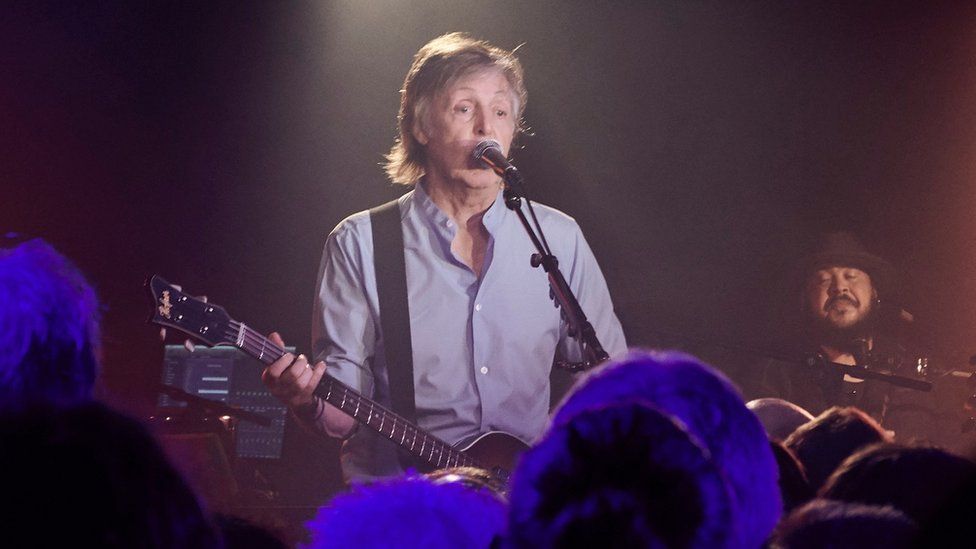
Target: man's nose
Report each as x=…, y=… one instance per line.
x=482, y=123
x=839, y=286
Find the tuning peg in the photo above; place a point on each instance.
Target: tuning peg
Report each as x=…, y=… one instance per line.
x=162, y=331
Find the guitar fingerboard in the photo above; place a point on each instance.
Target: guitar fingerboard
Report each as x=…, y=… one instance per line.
x=371, y=414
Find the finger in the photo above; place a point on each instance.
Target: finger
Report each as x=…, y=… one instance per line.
x=203, y=298
x=304, y=378
x=317, y=372
x=189, y=345
x=275, y=338
x=294, y=373
x=162, y=334
x=278, y=367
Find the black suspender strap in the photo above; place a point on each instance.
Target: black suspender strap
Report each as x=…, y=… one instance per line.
x=391, y=289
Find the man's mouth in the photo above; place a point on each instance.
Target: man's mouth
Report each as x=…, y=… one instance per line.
x=839, y=302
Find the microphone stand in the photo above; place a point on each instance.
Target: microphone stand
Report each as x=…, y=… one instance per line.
x=559, y=290
x=862, y=371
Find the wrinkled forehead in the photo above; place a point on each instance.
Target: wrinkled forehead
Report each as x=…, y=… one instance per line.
x=493, y=79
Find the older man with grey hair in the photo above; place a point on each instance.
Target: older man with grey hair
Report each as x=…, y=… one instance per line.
x=480, y=330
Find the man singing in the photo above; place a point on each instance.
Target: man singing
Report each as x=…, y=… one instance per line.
x=841, y=290
x=484, y=331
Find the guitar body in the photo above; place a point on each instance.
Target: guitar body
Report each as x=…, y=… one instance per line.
x=498, y=451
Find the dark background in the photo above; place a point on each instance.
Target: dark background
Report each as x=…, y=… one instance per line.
x=699, y=145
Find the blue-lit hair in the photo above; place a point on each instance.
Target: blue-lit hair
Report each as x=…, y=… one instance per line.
x=625, y=475
x=409, y=512
x=48, y=328
x=710, y=406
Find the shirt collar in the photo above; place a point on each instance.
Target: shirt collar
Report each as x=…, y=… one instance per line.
x=491, y=220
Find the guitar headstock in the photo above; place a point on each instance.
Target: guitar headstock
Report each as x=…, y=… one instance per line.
x=196, y=318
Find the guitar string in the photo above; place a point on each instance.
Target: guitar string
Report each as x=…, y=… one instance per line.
x=254, y=338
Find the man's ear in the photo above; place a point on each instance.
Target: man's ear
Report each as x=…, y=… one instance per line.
x=420, y=135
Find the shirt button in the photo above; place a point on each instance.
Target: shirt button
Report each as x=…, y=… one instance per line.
x=484, y=369
x=477, y=307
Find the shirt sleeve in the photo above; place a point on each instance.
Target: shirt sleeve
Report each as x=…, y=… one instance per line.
x=586, y=280
x=343, y=326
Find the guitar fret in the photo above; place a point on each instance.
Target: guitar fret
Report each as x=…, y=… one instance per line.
x=356, y=413
x=423, y=445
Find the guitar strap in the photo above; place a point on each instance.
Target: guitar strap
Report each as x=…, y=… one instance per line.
x=391, y=289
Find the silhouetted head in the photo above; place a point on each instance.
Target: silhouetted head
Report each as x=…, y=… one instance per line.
x=412, y=511
x=822, y=444
x=625, y=475
x=915, y=480
x=793, y=483
x=89, y=477
x=711, y=409
x=48, y=328
x=841, y=525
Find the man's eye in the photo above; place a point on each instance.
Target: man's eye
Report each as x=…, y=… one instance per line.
x=462, y=109
x=500, y=113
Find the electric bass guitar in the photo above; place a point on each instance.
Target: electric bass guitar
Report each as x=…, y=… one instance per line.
x=210, y=324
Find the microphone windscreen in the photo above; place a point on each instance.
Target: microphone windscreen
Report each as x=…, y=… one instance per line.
x=479, y=150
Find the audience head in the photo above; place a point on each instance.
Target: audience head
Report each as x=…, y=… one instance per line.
x=48, y=328
x=412, y=511
x=793, y=483
x=94, y=478
x=625, y=475
x=916, y=480
x=712, y=410
x=951, y=524
x=822, y=444
x=778, y=417
x=841, y=525
x=474, y=478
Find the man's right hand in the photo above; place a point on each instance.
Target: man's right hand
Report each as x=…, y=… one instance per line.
x=291, y=379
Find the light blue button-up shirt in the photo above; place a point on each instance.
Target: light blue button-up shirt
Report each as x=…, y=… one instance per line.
x=483, y=346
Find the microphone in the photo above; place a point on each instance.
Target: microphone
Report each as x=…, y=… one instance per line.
x=861, y=352
x=489, y=151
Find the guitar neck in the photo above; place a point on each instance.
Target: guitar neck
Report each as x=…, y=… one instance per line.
x=367, y=412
